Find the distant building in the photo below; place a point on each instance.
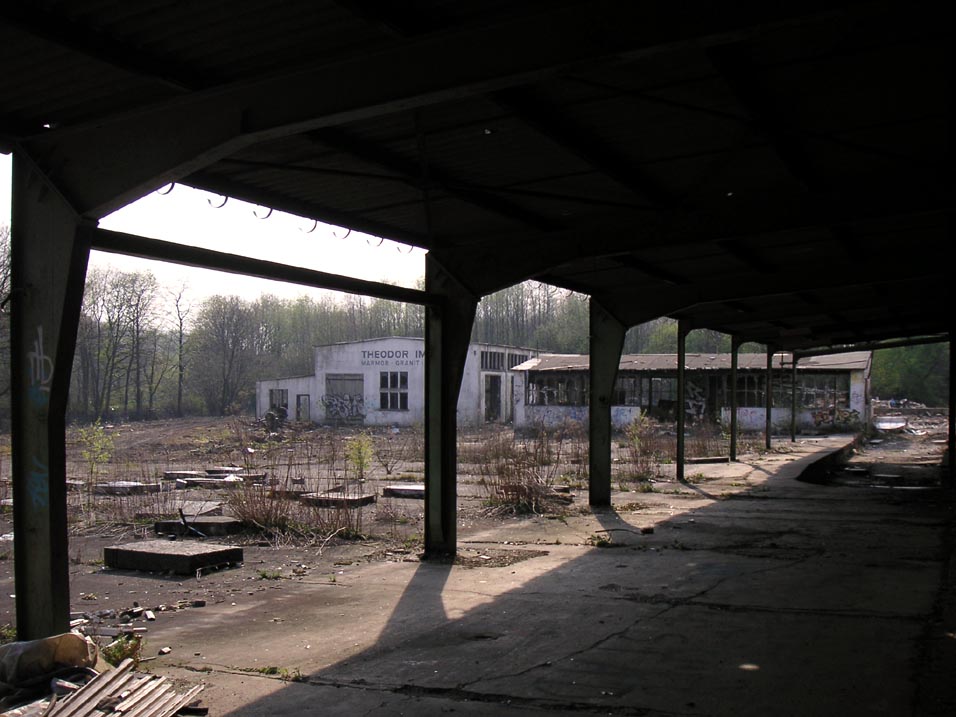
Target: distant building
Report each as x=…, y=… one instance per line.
x=380, y=382
x=832, y=391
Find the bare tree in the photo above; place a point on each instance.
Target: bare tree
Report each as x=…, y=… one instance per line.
x=224, y=336
x=182, y=309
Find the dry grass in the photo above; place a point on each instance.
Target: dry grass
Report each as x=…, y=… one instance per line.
x=515, y=474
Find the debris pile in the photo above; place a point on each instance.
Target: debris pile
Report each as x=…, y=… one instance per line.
x=66, y=676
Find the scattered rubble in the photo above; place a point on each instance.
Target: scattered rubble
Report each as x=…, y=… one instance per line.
x=67, y=676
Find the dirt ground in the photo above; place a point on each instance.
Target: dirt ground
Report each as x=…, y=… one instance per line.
x=313, y=459
x=297, y=459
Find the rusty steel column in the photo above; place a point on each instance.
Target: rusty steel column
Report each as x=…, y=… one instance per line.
x=447, y=335
x=951, y=443
x=734, y=400
x=734, y=351
x=48, y=263
x=793, y=398
x=682, y=331
x=606, y=343
x=769, y=397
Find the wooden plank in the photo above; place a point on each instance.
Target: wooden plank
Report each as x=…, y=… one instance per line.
x=91, y=693
x=156, y=697
x=181, y=702
x=141, y=693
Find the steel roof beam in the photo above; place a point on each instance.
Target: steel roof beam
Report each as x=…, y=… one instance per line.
x=98, y=45
x=550, y=122
x=411, y=173
x=440, y=67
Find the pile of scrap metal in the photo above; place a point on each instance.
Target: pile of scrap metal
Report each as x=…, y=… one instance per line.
x=65, y=676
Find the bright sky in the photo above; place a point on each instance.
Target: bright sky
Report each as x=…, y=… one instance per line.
x=190, y=217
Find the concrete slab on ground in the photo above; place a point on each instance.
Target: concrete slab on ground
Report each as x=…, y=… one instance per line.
x=404, y=490
x=170, y=508
x=747, y=591
x=181, y=557
x=208, y=525
x=334, y=499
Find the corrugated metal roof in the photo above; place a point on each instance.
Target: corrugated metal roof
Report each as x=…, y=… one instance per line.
x=753, y=168
x=853, y=361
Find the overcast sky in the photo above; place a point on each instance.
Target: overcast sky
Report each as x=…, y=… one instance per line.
x=191, y=217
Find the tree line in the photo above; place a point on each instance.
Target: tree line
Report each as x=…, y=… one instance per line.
x=145, y=350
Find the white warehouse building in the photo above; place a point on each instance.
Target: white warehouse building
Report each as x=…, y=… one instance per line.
x=380, y=382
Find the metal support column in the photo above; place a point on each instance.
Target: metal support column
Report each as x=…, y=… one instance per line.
x=682, y=331
x=793, y=398
x=447, y=334
x=734, y=401
x=769, y=397
x=606, y=344
x=48, y=262
x=951, y=443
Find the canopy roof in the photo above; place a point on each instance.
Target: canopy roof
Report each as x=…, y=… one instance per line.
x=853, y=361
x=779, y=171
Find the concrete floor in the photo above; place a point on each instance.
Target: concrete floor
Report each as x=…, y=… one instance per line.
x=755, y=594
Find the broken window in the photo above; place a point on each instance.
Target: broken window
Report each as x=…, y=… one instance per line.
x=824, y=390
x=515, y=359
x=393, y=391
x=627, y=391
x=278, y=398
x=751, y=390
x=492, y=361
x=552, y=389
x=663, y=389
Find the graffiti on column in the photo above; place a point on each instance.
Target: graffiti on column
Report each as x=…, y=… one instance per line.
x=344, y=406
x=39, y=485
x=41, y=371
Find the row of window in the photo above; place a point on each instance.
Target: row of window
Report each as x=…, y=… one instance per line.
x=499, y=360
x=813, y=390
x=546, y=389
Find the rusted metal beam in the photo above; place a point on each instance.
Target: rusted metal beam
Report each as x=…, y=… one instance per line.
x=409, y=171
x=734, y=400
x=447, y=335
x=606, y=343
x=683, y=329
x=551, y=122
x=48, y=262
x=133, y=245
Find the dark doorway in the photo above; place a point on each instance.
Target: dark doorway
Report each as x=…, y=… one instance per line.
x=303, y=407
x=492, y=399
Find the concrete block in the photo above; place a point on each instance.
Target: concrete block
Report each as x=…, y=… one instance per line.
x=404, y=490
x=205, y=524
x=332, y=499
x=174, y=475
x=170, y=509
x=182, y=557
x=125, y=487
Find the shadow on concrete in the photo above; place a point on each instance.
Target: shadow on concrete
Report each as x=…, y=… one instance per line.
x=790, y=598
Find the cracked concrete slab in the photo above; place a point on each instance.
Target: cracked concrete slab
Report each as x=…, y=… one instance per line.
x=755, y=594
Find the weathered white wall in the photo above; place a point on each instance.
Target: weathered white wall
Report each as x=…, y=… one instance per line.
x=369, y=359
x=295, y=385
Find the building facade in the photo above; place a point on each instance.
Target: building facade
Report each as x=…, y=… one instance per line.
x=380, y=382
x=832, y=391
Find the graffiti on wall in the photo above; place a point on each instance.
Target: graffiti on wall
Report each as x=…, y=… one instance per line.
x=344, y=406
x=695, y=402
x=836, y=416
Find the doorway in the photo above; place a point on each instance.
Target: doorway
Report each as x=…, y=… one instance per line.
x=492, y=399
